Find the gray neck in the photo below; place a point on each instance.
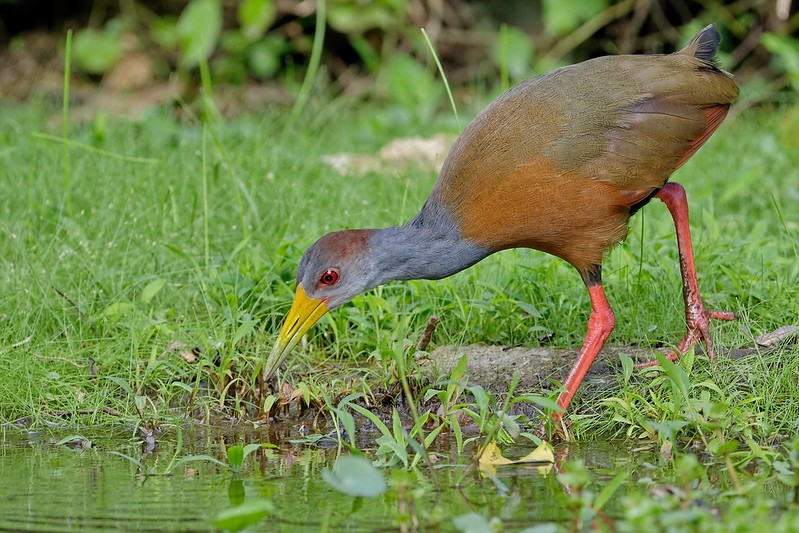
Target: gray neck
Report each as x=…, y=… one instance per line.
x=428, y=247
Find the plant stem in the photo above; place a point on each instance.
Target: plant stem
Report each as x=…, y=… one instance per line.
x=443, y=77
x=65, y=123
x=313, y=63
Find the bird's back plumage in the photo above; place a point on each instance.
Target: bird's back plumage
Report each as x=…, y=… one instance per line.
x=557, y=162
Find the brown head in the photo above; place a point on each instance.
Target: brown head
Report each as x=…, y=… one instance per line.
x=334, y=270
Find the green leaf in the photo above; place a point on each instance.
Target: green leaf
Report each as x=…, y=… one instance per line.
x=245, y=328
x=357, y=17
x=196, y=459
x=510, y=424
x=355, y=476
x=164, y=32
x=116, y=310
x=255, y=16
x=133, y=460
x=263, y=57
x=456, y=383
x=198, y=27
x=541, y=401
x=562, y=17
x=96, y=52
x=373, y=418
x=411, y=85
x=248, y=449
x=472, y=523
x=247, y=514
x=610, y=489
x=235, y=456
x=124, y=385
x=627, y=366
x=676, y=375
x=151, y=289
x=787, y=50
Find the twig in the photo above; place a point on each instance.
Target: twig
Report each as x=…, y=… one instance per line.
x=64, y=360
x=24, y=341
x=424, y=341
x=73, y=304
x=584, y=32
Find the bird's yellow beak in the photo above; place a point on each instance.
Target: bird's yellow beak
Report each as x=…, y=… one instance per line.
x=304, y=313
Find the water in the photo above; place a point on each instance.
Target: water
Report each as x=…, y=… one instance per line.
x=50, y=487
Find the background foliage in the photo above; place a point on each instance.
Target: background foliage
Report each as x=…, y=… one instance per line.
x=374, y=48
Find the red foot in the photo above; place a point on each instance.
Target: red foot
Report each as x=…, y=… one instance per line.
x=697, y=331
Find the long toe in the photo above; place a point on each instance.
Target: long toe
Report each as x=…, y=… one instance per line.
x=698, y=330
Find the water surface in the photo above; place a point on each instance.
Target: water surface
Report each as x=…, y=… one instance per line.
x=52, y=487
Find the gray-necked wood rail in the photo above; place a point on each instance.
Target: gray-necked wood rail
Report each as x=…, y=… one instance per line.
x=557, y=163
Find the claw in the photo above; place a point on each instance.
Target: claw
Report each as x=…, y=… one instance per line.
x=698, y=321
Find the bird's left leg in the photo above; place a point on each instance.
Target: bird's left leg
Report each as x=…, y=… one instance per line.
x=600, y=325
x=697, y=317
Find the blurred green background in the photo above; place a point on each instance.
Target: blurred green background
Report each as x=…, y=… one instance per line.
x=259, y=50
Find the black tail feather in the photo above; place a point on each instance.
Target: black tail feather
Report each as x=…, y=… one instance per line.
x=706, y=43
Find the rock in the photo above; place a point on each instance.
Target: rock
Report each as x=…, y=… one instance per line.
x=492, y=367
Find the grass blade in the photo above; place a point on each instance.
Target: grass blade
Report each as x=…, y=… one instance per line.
x=444, y=78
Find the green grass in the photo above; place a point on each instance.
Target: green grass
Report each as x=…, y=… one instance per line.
x=131, y=262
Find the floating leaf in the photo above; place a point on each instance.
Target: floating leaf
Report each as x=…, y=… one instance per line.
x=542, y=454
x=355, y=476
x=472, y=523
x=491, y=456
x=247, y=514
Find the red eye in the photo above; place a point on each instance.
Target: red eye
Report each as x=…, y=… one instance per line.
x=330, y=277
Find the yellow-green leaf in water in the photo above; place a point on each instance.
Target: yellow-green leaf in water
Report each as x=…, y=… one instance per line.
x=542, y=454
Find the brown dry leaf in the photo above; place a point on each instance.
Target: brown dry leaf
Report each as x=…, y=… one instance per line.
x=286, y=392
x=666, y=450
x=179, y=347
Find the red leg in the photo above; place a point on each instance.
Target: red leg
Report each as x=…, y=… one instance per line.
x=696, y=316
x=600, y=325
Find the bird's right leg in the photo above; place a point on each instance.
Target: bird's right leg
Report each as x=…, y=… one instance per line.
x=697, y=317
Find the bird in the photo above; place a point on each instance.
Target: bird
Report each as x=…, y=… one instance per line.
x=557, y=163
